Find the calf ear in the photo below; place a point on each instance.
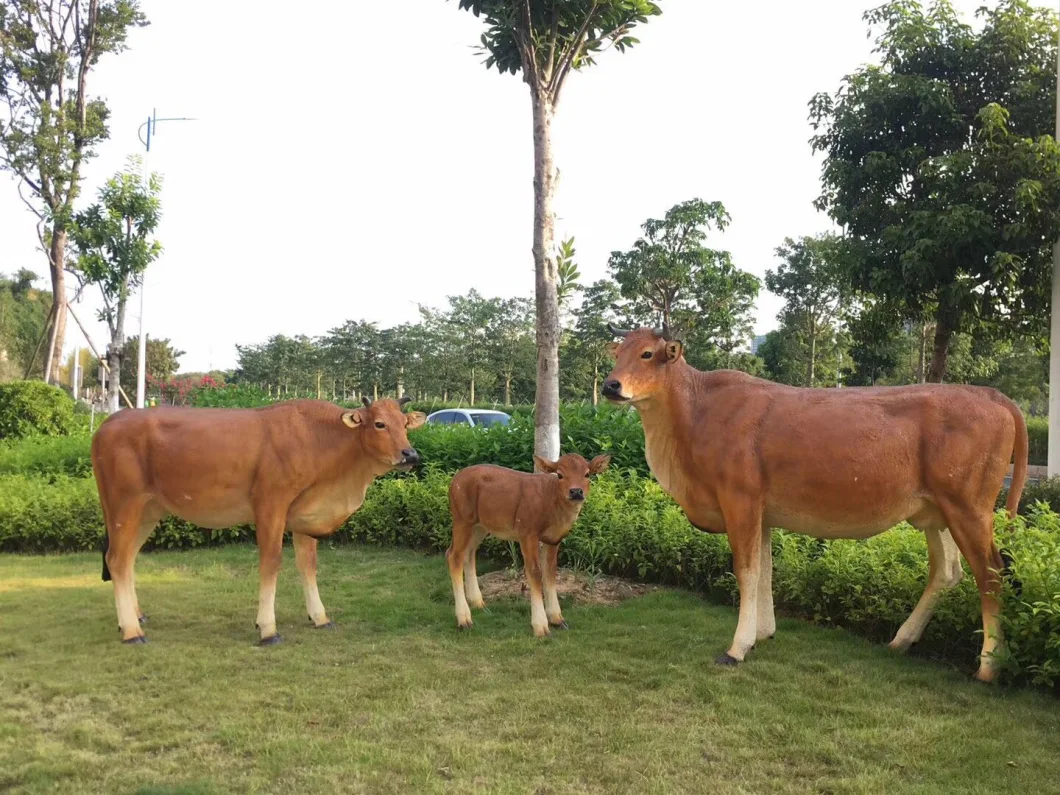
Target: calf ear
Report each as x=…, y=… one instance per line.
x=414, y=419
x=599, y=464
x=544, y=466
x=674, y=349
x=353, y=418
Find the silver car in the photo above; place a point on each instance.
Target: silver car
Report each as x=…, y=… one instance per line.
x=478, y=418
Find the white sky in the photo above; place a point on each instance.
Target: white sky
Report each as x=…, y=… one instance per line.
x=354, y=160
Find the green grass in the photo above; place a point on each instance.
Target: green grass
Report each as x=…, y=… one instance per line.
x=397, y=701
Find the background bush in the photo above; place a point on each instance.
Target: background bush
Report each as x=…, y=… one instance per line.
x=33, y=408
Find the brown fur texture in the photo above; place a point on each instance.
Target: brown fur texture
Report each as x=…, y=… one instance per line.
x=742, y=455
x=302, y=466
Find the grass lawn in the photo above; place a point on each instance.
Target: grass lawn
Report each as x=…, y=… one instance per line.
x=397, y=701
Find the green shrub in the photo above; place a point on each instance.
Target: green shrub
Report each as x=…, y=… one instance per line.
x=229, y=396
x=1038, y=440
x=1045, y=491
x=33, y=408
x=41, y=455
x=630, y=527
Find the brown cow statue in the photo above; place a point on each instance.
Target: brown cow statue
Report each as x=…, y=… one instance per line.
x=742, y=455
x=537, y=510
x=302, y=466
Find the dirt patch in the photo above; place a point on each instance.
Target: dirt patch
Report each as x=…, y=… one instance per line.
x=581, y=587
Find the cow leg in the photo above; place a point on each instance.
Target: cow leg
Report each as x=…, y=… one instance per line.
x=944, y=572
x=471, y=589
x=123, y=531
x=152, y=514
x=974, y=533
x=531, y=548
x=305, y=558
x=456, y=556
x=549, y=575
x=744, y=528
x=766, y=620
x=269, y=525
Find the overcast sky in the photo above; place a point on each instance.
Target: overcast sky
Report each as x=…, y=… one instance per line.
x=353, y=160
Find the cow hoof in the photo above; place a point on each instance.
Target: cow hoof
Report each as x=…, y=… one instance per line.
x=726, y=659
x=135, y=640
x=329, y=625
x=143, y=620
x=272, y=640
x=560, y=625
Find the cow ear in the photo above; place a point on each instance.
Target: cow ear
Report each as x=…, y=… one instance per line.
x=544, y=466
x=414, y=419
x=674, y=349
x=353, y=418
x=599, y=464
x=612, y=349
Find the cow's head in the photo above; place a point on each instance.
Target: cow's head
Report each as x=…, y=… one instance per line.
x=384, y=431
x=641, y=362
x=572, y=475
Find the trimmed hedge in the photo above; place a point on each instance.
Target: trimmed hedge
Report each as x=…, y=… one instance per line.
x=630, y=527
x=33, y=408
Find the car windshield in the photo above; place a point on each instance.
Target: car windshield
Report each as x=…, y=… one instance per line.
x=485, y=420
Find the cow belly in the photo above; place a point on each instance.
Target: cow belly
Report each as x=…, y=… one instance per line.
x=856, y=524
x=211, y=517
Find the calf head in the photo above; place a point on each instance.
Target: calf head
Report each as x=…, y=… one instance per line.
x=642, y=362
x=572, y=475
x=383, y=428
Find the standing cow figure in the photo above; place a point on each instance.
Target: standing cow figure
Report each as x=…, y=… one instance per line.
x=302, y=466
x=537, y=510
x=741, y=455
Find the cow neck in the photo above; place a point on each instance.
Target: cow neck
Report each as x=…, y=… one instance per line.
x=666, y=419
x=358, y=465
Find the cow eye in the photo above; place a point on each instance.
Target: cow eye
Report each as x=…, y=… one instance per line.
x=586, y=474
x=380, y=425
x=559, y=475
x=646, y=355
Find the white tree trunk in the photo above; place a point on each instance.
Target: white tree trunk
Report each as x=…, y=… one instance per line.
x=546, y=416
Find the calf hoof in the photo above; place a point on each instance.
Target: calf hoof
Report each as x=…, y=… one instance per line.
x=463, y=627
x=480, y=605
x=135, y=640
x=143, y=620
x=726, y=659
x=329, y=625
x=272, y=640
x=541, y=632
x=560, y=625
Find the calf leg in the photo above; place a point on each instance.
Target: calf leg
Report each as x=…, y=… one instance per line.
x=765, y=619
x=152, y=513
x=456, y=556
x=269, y=523
x=744, y=528
x=532, y=564
x=974, y=533
x=471, y=589
x=944, y=572
x=549, y=573
x=305, y=558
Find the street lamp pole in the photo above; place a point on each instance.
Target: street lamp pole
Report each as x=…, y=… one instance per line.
x=141, y=355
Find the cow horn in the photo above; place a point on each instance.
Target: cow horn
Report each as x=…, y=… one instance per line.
x=617, y=332
x=661, y=332
x=403, y=400
x=365, y=400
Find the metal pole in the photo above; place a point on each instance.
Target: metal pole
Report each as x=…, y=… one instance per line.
x=141, y=352
x=1053, y=467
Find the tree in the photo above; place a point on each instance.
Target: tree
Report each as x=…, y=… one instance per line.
x=471, y=316
x=49, y=123
x=544, y=40
x=567, y=273
x=161, y=361
x=940, y=167
x=114, y=244
x=657, y=274
x=722, y=317
x=510, y=338
x=878, y=342
x=591, y=336
x=811, y=279
x=24, y=313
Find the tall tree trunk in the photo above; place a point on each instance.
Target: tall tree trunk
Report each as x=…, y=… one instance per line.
x=507, y=389
x=57, y=333
x=375, y=391
x=401, y=382
x=114, y=356
x=944, y=327
x=546, y=414
x=319, y=376
x=596, y=384
x=813, y=357
x=472, y=386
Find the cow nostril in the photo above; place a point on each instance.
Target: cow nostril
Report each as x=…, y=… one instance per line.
x=612, y=385
x=410, y=453
x=576, y=493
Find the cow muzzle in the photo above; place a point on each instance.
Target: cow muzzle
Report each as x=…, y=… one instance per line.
x=613, y=391
x=576, y=495
x=409, y=458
